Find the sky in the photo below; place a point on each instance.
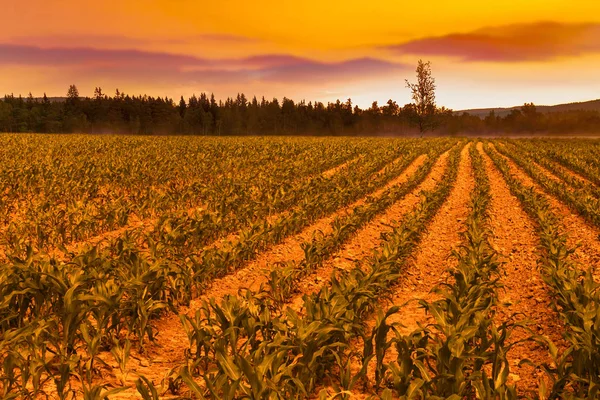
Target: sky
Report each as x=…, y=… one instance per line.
x=483, y=54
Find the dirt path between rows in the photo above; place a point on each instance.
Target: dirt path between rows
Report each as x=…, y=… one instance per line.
x=571, y=173
x=168, y=352
x=431, y=261
x=580, y=235
x=524, y=294
x=368, y=238
x=433, y=256
x=332, y=171
x=253, y=275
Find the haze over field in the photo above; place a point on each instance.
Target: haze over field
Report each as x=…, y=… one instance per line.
x=503, y=54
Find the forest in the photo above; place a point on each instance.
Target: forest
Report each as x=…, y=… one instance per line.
x=204, y=115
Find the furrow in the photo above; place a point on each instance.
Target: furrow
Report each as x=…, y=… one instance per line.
x=367, y=238
x=580, y=235
x=169, y=349
x=525, y=297
x=434, y=254
x=432, y=259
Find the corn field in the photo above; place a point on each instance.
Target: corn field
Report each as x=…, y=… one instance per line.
x=293, y=268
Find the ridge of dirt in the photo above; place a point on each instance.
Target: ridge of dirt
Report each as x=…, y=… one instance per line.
x=332, y=171
x=169, y=350
x=367, y=238
x=581, y=236
x=570, y=172
x=524, y=293
x=431, y=260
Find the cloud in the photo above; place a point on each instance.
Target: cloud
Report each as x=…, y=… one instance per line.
x=540, y=41
x=305, y=72
x=268, y=61
x=143, y=66
x=222, y=37
x=121, y=41
x=310, y=71
x=81, y=56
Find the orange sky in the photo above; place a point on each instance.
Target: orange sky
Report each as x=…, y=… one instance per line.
x=505, y=53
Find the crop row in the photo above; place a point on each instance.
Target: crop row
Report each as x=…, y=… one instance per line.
x=58, y=202
x=574, y=182
x=180, y=233
x=250, y=346
x=576, y=297
x=580, y=156
x=282, y=280
x=583, y=203
x=463, y=352
x=103, y=299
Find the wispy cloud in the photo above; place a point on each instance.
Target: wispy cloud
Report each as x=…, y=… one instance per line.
x=310, y=71
x=224, y=37
x=140, y=66
x=121, y=41
x=540, y=41
x=81, y=56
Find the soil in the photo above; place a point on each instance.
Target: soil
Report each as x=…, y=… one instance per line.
x=525, y=297
x=368, y=238
x=580, y=234
x=432, y=259
x=168, y=351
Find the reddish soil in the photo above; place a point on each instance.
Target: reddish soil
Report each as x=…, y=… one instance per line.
x=433, y=256
x=431, y=260
x=580, y=234
x=332, y=171
x=368, y=238
x=525, y=296
x=172, y=340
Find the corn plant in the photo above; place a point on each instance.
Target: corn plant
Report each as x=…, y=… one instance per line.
x=463, y=353
x=250, y=346
x=576, y=299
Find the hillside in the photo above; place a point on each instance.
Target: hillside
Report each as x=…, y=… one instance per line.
x=592, y=105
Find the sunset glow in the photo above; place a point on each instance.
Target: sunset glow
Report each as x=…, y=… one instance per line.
x=499, y=54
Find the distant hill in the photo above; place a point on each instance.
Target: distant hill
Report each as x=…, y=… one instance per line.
x=592, y=105
x=52, y=99
x=56, y=99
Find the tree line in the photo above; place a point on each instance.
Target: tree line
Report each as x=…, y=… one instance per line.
x=203, y=115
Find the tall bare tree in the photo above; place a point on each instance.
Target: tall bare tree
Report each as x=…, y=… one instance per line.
x=423, y=95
